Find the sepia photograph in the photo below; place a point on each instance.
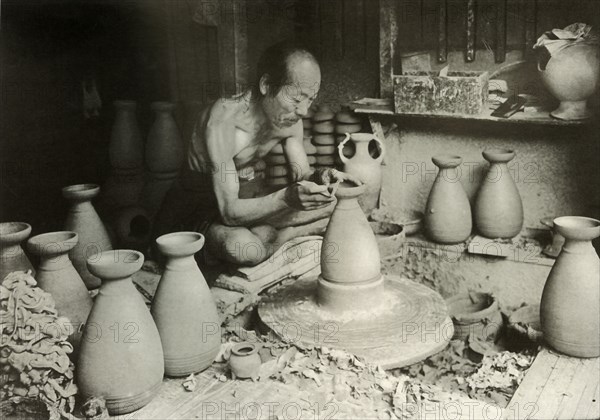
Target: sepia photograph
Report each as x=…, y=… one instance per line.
x=299, y=209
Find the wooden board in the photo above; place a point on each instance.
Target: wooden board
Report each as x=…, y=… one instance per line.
x=558, y=387
x=411, y=325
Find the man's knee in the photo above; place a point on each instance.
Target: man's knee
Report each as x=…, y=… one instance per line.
x=243, y=247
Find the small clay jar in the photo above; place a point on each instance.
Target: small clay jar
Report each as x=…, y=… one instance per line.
x=245, y=361
x=476, y=315
x=11, y=254
x=447, y=216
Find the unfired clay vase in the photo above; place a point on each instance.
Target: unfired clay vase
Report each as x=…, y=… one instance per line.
x=447, y=218
x=498, y=207
x=83, y=219
x=245, y=361
x=57, y=276
x=349, y=252
x=572, y=75
x=569, y=310
x=183, y=307
x=121, y=358
x=364, y=167
x=164, y=156
x=12, y=257
x=126, y=180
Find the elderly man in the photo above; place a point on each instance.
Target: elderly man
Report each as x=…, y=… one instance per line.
x=228, y=140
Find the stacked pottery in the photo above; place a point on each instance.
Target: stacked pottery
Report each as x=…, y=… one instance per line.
x=126, y=180
x=323, y=129
x=183, y=308
x=569, y=310
x=277, y=174
x=447, y=216
x=346, y=122
x=57, y=276
x=309, y=147
x=364, y=166
x=350, y=261
x=498, y=207
x=12, y=257
x=164, y=156
x=121, y=358
x=83, y=219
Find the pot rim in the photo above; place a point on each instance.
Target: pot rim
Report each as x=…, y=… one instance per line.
x=237, y=349
x=577, y=227
x=499, y=154
x=185, y=243
x=53, y=243
x=446, y=161
x=14, y=232
x=115, y=264
x=81, y=191
x=471, y=317
x=345, y=192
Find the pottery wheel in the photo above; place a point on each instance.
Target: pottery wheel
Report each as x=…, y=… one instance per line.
x=411, y=323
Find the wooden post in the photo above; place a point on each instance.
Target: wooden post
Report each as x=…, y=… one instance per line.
x=388, y=33
x=442, y=31
x=500, y=52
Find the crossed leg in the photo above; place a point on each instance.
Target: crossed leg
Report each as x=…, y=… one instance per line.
x=251, y=246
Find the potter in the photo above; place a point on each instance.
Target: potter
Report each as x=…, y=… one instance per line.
x=229, y=138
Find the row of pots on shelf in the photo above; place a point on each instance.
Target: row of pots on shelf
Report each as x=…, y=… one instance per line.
x=498, y=209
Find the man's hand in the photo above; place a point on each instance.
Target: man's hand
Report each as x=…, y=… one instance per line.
x=327, y=176
x=306, y=195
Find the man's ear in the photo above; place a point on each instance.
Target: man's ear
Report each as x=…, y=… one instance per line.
x=263, y=84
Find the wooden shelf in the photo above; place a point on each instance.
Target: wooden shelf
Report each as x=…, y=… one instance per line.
x=385, y=107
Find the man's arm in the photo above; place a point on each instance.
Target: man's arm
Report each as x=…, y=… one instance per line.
x=295, y=155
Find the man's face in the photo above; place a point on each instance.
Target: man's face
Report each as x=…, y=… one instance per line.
x=293, y=100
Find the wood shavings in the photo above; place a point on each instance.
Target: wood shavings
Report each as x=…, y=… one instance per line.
x=34, y=349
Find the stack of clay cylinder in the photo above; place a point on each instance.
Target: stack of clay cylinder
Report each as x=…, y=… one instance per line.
x=309, y=147
x=277, y=169
x=346, y=121
x=323, y=128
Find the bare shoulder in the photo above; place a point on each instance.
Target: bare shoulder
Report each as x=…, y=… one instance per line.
x=227, y=110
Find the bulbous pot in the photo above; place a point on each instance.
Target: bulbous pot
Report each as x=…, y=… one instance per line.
x=121, y=357
x=572, y=75
x=245, y=361
x=12, y=257
x=83, y=219
x=447, y=217
x=498, y=207
x=364, y=166
x=569, y=310
x=57, y=276
x=349, y=253
x=183, y=307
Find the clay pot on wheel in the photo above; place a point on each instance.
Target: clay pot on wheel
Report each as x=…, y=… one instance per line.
x=447, y=216
x=569, y=310
x=12, y=256
x=245, y=361
x=572, y=75
x=349, y=253
x=364, y=166
x=183, y=307
x=121, y=358
x=498, y=207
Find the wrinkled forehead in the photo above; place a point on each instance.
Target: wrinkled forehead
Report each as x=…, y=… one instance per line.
x=304, y=77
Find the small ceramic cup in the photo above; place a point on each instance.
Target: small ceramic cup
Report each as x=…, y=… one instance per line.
x=245, y=361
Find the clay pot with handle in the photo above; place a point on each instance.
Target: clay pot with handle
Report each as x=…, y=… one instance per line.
x=364, y=166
